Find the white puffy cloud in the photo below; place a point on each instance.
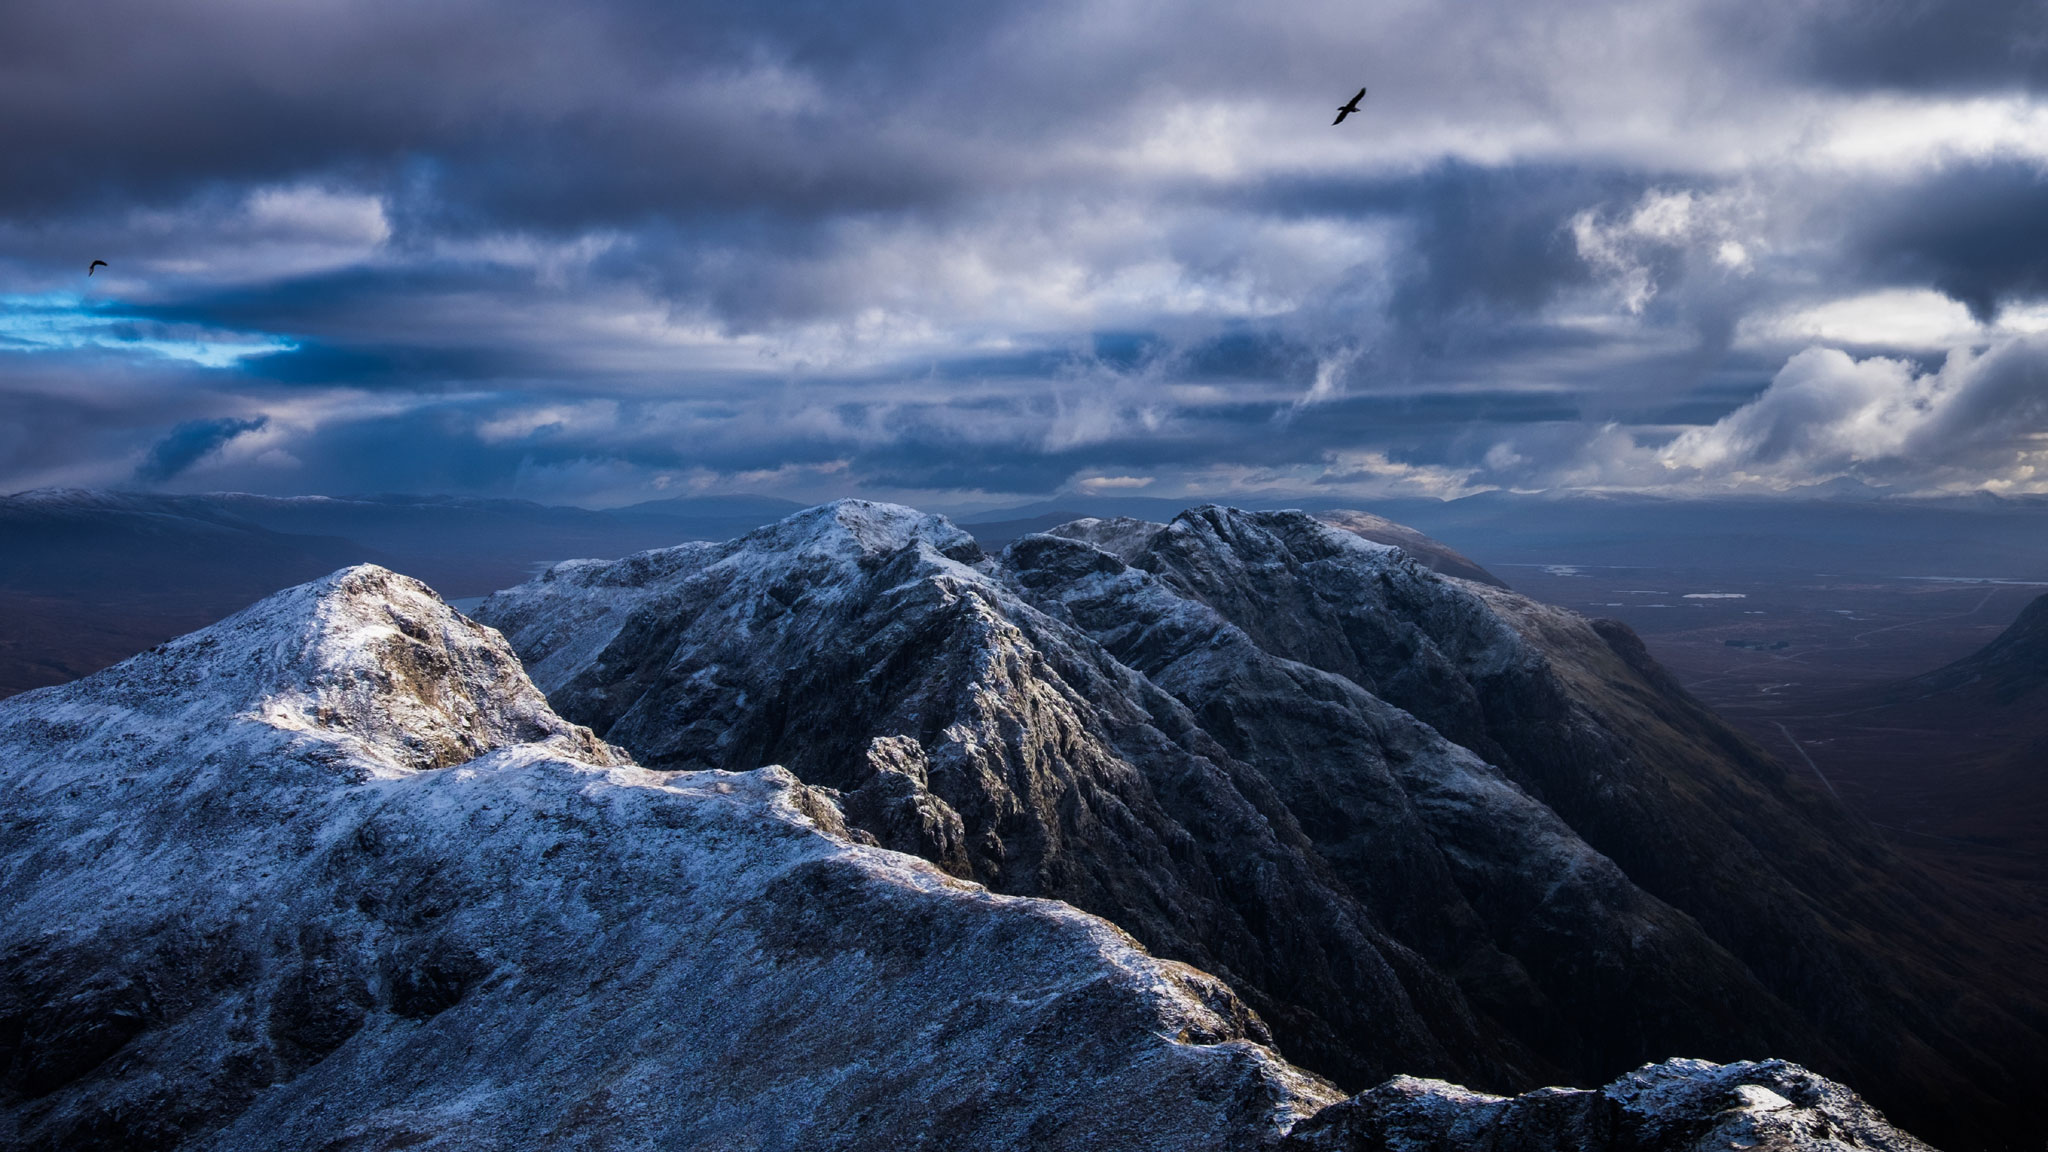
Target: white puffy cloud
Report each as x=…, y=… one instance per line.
x=1685, y=223
x=1916, y=319
x=1979, y=421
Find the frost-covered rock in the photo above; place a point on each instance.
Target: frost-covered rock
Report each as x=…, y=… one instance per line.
x=331, y=874
x=1676, y=1106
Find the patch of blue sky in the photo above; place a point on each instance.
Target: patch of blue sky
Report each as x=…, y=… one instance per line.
x=63, y=321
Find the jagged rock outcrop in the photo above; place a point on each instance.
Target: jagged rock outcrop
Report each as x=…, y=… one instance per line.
x=331, y=874
x=1676, y=1106
x=1422, y=825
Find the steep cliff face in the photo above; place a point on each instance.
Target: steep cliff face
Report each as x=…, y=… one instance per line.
x=1547, y=937
x=331, y=874
x=1422, y=825
x=1578, y=714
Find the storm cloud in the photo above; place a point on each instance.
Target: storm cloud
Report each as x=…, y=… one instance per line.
x=968, y=254
x=190, y=443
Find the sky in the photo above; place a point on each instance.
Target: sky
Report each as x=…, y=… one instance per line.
x=969, y=255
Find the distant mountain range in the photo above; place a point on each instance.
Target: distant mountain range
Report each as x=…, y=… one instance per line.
x=88, y=577
x=91, y=577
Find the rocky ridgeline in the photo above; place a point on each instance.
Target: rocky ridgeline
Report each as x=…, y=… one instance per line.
x=1421, y=825
x=333, y=873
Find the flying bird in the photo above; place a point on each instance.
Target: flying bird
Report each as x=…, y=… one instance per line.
x=95, y=264
x=1347, y=109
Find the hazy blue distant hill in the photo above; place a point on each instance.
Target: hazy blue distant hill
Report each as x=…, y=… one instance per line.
x=80, y=542
x=1977, y=535
x=1832, y=528
x=468, y=546
x=89, y=577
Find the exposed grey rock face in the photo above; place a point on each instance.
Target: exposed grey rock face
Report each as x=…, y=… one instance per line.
x=1547, y=937
x=331, y=874
x=1676, y=1106
x=1421, y=825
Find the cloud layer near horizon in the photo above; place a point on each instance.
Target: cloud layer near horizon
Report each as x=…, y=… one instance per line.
x=971, y=254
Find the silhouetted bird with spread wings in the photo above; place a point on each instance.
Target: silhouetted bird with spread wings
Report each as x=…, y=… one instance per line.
x=1347, y=109
x=95, y=264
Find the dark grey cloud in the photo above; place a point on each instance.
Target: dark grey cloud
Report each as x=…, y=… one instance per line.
x=1495, y=243
x=1978, y=233
x=1967, y=45
x=191, y=442
x=603, y=112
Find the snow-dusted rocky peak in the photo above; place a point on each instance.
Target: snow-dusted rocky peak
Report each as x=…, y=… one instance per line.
x=1065, y=724
x=1420, y=824
x=562, y=619
x=364, y=659
x=1675, y=1106
x=566, y=615
x=330, y=874
x=962, y=723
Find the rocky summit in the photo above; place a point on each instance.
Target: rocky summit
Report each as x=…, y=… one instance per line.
x=330, y=874
x=847, y=835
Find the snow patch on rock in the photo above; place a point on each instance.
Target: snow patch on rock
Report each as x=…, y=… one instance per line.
x=1675, y=1106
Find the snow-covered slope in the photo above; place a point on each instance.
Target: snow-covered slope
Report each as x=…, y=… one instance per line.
x=331, y=874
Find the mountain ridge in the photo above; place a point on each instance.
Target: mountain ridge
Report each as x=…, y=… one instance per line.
x=331, y=874
x=713, y=661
